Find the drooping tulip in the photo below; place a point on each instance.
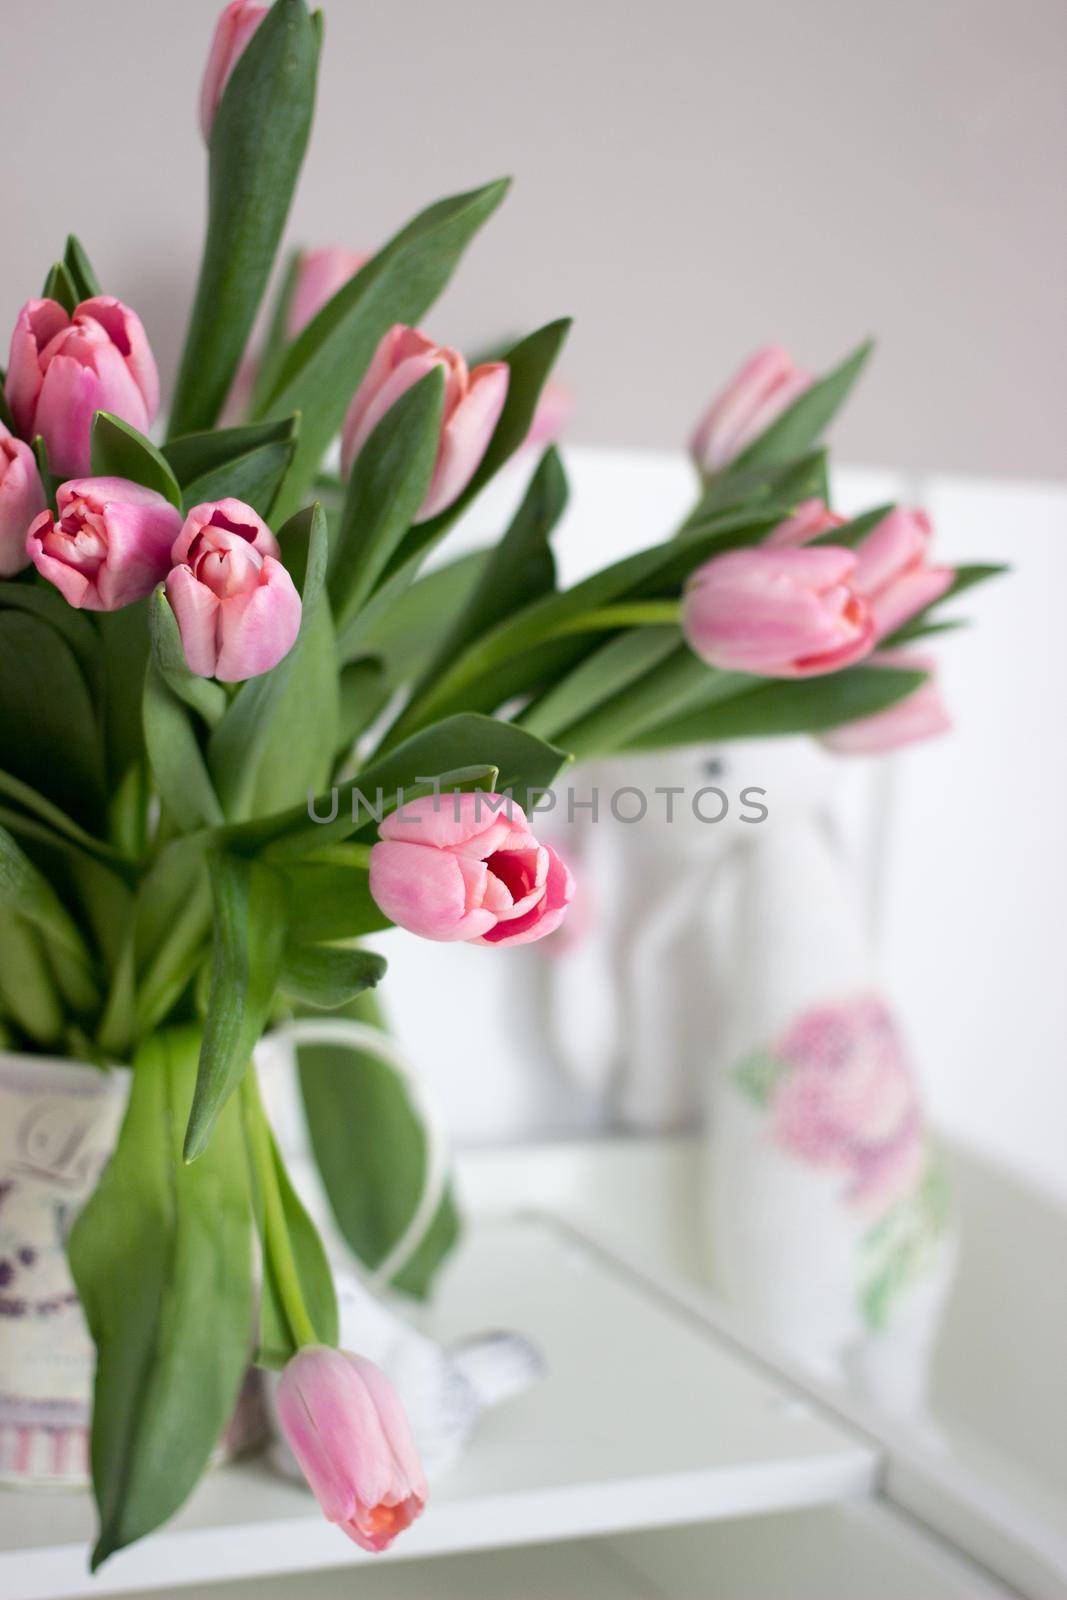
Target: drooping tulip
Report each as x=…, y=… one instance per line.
x=236, y=606
x=920, y=715
x=473, y=403
x=350, y=1434
x=755, y=397
x=109, y=545
x=791, y=613
x=22, y=497
x=235, y=27
x=467, y=867
x=63, y=368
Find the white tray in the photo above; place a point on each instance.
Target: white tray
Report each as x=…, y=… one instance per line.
x=646, y=1419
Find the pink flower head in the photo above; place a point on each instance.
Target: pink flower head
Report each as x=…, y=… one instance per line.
x=350, y=1434
x=848, y=1100
x=235, y=27
x=892, y=573
x=236, y=605
x=777, y=613
x=109, y=545
x=920, y=715
x=810, y=520
x=21, y=498
x=466, y=866
x=62, y=369
x=766, y=385
x=319, y=275
x=473, y=403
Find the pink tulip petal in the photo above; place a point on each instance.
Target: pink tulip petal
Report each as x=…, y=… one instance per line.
x=72, y=585
x=196, y=611
x=544, y=917
x=466, y=437
x=765, y=385
x=235, y=27
x=126, y=332
x=395, y=1424
x=481, y=821
x=22, y=499
x=231, y=516
x=423, y=890
x=373, y=407
x=258, y=628
x=37, y=325
x=320, y=274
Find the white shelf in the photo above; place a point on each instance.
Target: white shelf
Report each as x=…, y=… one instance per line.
x=859, y=1552
x=646, y=1419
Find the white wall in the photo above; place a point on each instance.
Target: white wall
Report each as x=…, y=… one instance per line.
x=692, y=179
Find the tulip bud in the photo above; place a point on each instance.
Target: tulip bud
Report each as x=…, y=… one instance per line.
x=766, y=385
x=892, y=573
x=777, y=613
x=319, y=275
x=348, y=1430
x=236, y=606
x=810, y=520
x=22, y=496
x=235, y=27
x=473, y=403
x=110, y=544
x=466, y=866
x=920, y=715
x=62, y=369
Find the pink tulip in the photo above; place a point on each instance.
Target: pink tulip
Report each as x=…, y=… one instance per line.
x=466, y=866
x=319, y=275
x=810, y=520
x=350, y=1434
x=110, y=544
x=235, y=27
x=237, y=608
x=473, y=403
x=920, y=715
x=777, y=613
x=892, y=573
x=62, y=369
x=22, y=496
x=755, y=397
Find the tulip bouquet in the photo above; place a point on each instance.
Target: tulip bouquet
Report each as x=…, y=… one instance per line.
x=244, y=727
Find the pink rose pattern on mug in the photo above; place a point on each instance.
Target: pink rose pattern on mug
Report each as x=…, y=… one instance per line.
x=840, y=1096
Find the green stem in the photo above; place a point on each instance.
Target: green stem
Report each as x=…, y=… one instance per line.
x=276, y=1241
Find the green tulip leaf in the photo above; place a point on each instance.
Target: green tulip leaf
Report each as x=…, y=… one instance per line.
x=807, y=418
x=773, y=709
x=324, y=364
x=201, y=694
x=249, y=937
x=175, y=756
x=328, y=976
x=276, y=1344
x=257, y=145
x=268, y=751
x=86, y=284
x=119, y=451
x=388, y=484
x=162, y=1260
